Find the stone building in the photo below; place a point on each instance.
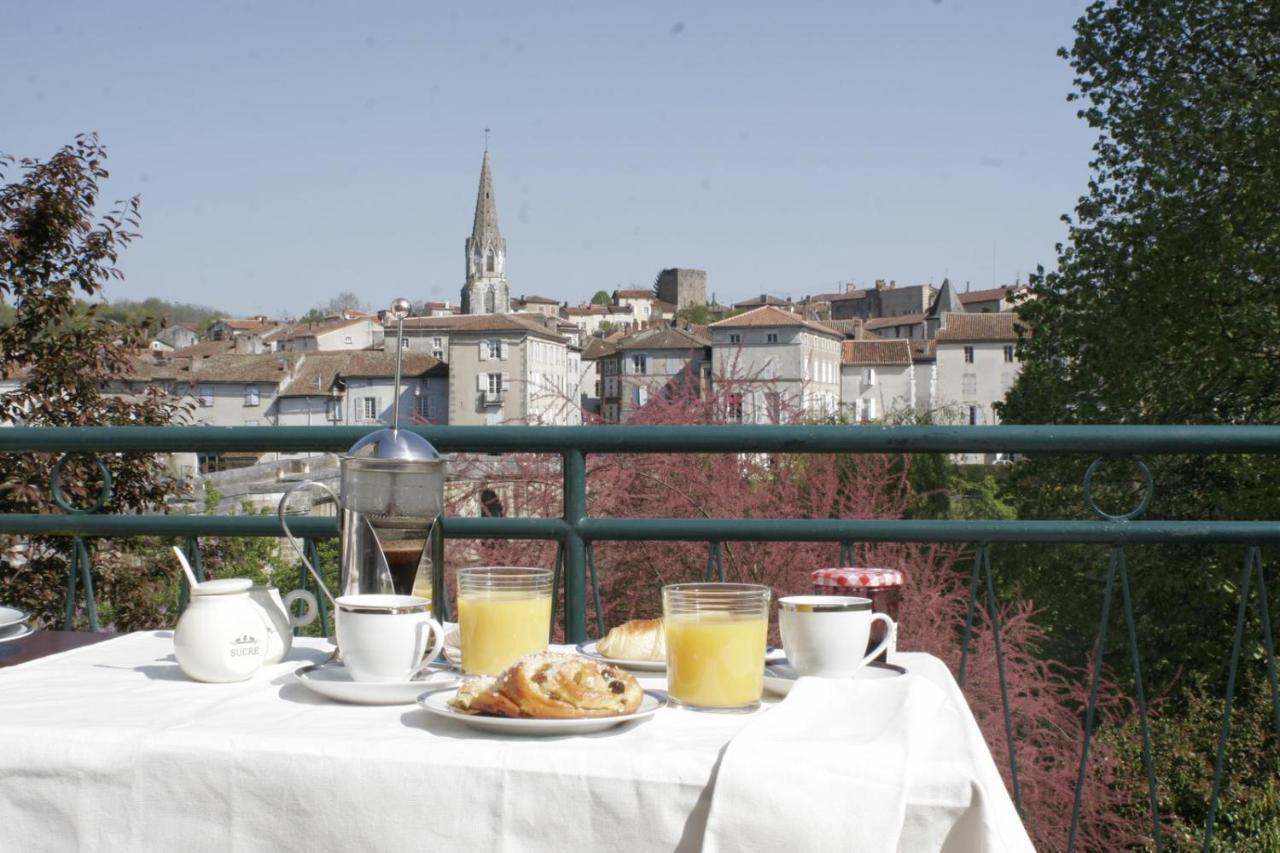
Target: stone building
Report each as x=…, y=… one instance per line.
x=534, y=304
x=886, y=299
x=876, y=378
x=773, y=364
x=682, y=287
x=977, y=364
x=651, y=362
x=503, y=368
x=486, y=290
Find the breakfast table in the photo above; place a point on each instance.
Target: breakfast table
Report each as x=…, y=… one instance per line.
x=111, y=747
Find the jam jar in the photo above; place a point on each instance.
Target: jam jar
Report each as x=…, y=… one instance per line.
x=882, y=586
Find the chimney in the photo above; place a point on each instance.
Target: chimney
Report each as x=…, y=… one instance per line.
x=880, y=284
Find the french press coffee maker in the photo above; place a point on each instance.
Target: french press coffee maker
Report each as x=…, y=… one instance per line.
x=391, y=496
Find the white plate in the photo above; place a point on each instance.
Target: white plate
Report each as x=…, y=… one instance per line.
x=11, y=616
x=15, y=632
x=437, y=702
x=779, y=677
x=590, y=650
x=334, y=681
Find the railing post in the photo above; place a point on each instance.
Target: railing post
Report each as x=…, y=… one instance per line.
x=68, y=618
x=86, y=575
x=439, y=589
x=715, y=563
x=575, y=551
x=596, y=603
x=79, y=569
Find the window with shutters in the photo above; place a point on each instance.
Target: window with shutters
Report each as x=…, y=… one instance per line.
x=639, y=364
x=735, y=408
x=773, y=406
x=868, y=376
x=968, y=355
x=369, y=408
x=404, y=343
x=495, y=348
x=251, y=395
x=494, y=385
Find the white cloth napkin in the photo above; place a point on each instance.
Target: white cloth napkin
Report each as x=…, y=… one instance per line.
x=828, y=769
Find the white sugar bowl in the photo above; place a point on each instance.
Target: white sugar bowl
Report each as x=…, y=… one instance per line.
x=222, y=635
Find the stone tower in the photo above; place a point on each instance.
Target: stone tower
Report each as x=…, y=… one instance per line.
x=486, y=290
x=682, y=287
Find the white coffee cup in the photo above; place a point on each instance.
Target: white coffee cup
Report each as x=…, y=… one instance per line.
x=385, y=637
x=826, y=635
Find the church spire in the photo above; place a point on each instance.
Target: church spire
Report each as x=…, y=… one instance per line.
x=485, y=227
x=486, y=290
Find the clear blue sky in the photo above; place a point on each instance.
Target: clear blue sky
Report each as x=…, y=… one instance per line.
x=288, y=151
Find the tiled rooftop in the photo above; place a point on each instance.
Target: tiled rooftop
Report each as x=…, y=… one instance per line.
x=977, y=327
x=769, y=316
x=883, y=352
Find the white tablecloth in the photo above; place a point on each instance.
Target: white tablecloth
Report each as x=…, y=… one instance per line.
x=111, y=747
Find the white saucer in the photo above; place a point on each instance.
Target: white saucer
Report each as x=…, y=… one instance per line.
x=779, y=677
x=11, y=616
x=16, y=632
x=333, y=681
x=437, y=702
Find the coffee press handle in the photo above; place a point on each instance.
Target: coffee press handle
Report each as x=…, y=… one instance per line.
x=309, y=608
x=891, y=630
x=284, y=500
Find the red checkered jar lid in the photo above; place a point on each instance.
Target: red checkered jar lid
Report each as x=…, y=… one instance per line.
x=857, y=578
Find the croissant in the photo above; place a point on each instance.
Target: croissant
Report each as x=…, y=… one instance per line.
x=552, y=686
x=639, y=639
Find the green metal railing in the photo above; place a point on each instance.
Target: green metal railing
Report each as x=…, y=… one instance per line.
x=575, y=531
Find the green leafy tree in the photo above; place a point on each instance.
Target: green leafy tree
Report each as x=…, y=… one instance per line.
x=1165, y=305
x=55, y=248
x=1164, y=308
x=602, y=297
x=698, y=315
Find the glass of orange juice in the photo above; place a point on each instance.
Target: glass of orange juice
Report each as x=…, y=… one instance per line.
x=504, y=613
x=716, y=635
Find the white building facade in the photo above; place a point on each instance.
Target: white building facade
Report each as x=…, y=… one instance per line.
x=774, y=365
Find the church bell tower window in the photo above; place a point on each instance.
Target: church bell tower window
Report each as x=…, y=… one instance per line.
x=488, y=264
